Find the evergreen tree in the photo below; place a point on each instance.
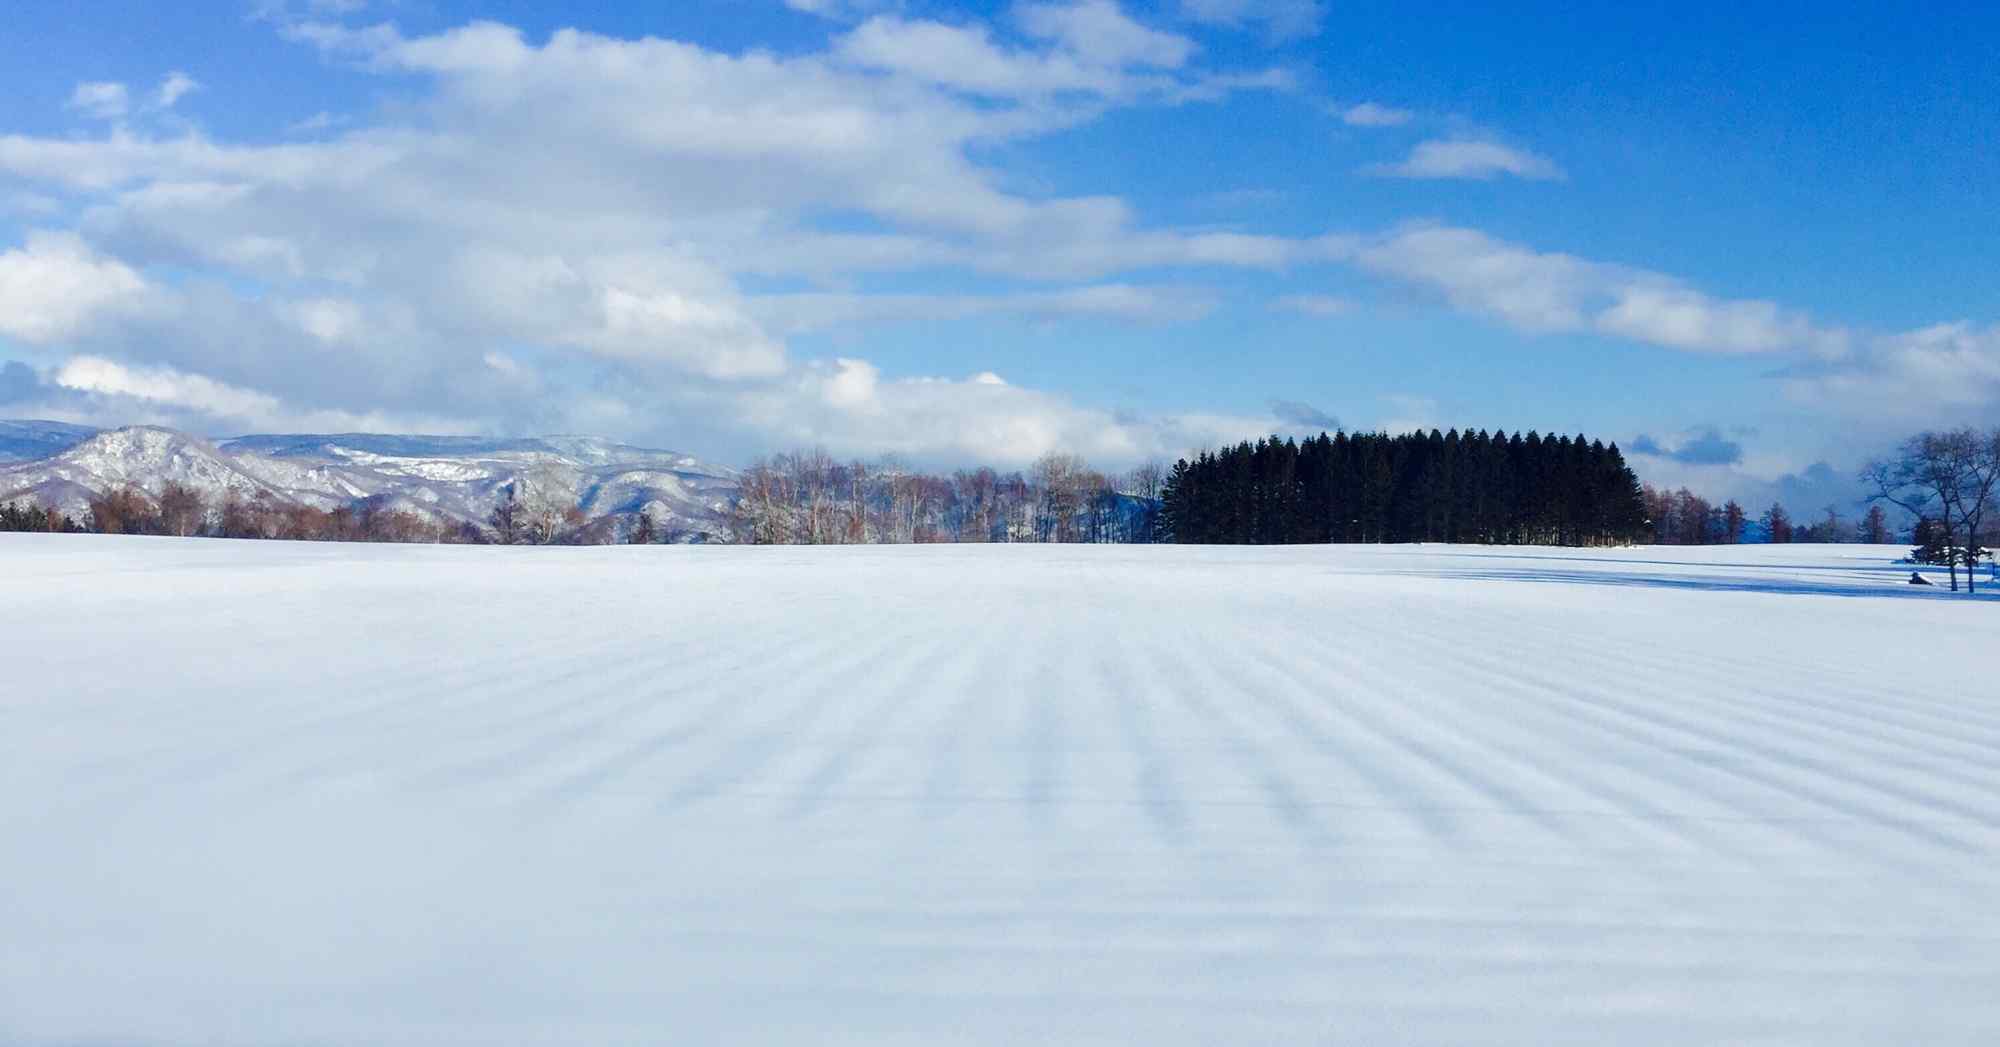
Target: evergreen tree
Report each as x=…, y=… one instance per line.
x=1933, y=545
x=1430, y=486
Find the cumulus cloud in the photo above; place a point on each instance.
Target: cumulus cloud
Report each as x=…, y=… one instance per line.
x=553, y=234
x=848, y=406
x=1940, y=374
x=584, y=232
x=55, y=286
x=1470, y=159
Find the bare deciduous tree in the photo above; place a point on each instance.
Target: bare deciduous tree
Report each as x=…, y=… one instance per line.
x=1950, y=479
x=122, y=510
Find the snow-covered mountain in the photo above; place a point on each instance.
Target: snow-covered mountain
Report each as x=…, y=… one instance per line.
x=440, y=477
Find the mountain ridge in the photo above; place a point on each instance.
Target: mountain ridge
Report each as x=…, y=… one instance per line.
x=453, y=479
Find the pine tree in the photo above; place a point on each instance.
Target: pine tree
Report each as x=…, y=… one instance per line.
x=1933, y=546
x=509, y=519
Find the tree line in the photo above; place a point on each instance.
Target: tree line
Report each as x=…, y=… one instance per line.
x=1685, y=518
x=1480, y=487
x=183, y=511
x=810, y=498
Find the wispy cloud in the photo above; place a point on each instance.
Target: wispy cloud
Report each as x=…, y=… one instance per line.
x=100, y=99
x=1474, y=159
x=1704, y=445
x=175, y=87
x=1374, y=114
x=1297, y=414
x=320, y=121
x=1314, y=304
x=1546, y=292
x=1280, y=20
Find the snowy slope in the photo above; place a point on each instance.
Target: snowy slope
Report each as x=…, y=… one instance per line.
x=456, y=478
x=143, y=456
x=259, y=793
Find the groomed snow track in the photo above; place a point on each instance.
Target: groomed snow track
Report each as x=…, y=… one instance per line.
x=257, y=793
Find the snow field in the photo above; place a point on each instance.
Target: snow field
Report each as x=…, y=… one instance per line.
x=266, y=792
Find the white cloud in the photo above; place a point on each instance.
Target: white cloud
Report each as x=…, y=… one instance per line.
x=55, y=286
x=1941, y=374
x=329, y=320
x=1668, y=314
x=1470, y=159
x=551, y=234
x=1281, y=19
x=177, y=397
x=848, y=407
x=967, y=58
x=709, y=337
x=164, y=385
x=1548, y=292
x=1101, y=33
x=557, y=234
x=101, y=100
x=842, y=10
x=1374, y=114
x=175, y=87
x=1125, y=303
x=852, y=385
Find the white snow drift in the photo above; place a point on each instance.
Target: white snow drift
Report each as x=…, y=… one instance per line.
x=259, y=793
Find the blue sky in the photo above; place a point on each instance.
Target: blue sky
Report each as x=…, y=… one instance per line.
x=1744, y=243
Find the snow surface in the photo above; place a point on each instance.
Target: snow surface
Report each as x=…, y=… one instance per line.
x=257, y=793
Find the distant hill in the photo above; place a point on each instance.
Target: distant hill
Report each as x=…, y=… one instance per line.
x=445, y=478
x=28, y=440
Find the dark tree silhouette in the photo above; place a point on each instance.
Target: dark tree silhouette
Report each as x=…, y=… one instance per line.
x=1417, y=487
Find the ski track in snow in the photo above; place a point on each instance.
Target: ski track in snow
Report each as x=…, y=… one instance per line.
x=260, y=792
